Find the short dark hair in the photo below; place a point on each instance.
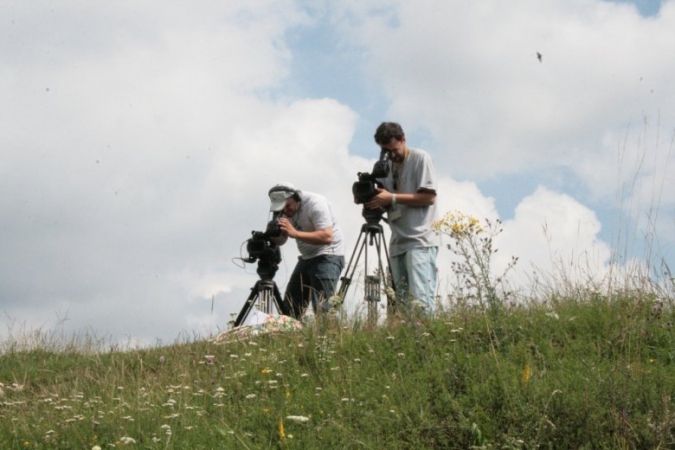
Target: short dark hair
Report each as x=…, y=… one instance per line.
x=388, y=131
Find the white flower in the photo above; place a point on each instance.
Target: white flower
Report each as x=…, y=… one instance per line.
x=300, y=419
x=127, y=440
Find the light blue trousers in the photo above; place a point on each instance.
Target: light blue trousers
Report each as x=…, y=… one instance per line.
x=415, y=276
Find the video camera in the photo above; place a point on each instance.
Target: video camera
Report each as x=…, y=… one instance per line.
x=262, y=248
x=366, y=187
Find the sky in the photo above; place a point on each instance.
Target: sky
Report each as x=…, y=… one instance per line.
x=138, y=141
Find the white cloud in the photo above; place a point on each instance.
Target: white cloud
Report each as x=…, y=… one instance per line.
x=469, y=74
x=550, y=229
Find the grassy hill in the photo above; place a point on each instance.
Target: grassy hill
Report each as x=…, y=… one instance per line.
x=584, y=371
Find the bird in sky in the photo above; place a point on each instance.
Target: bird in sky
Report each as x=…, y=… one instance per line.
x=539, y=56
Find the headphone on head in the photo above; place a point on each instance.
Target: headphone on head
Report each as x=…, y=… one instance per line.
x=287, y=188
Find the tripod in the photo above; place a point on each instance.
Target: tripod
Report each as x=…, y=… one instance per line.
x=265, y=291
x=373, y=230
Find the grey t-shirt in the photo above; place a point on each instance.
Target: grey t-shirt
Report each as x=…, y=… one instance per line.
x=316, y=213
x=413, y=228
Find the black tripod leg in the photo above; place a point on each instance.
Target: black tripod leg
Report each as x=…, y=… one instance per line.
x=282, y=305
x=391, y=301
x=346, y=280
x=248, y=305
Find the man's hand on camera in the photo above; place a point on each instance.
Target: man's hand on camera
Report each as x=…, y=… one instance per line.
x=380, y=200
x=287, y=228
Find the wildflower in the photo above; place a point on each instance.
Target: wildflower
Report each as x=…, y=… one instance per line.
x=250, y=396
x=96, y=447
x=127, y=440
x=301, y=419
x=266, y=371
x=282, y=432
x=210, y=359
x=527, y=373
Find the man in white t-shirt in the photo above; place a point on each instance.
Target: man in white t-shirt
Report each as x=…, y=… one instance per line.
x=409, y=197
x=309, y=219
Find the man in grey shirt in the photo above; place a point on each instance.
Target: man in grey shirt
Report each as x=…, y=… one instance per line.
x=409, y=196
x=309, y=219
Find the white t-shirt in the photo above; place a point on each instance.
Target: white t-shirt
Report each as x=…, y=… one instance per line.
x=413, y=228
x=316, y=213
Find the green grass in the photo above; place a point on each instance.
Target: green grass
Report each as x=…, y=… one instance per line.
x=583, y=372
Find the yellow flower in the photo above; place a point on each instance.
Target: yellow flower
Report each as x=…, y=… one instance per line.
x=527, y=373
x=282, y=432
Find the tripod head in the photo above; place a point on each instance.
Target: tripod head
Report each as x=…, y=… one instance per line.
x=262, y=248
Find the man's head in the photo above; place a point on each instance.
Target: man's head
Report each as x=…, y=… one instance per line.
x=390, y=137
x=284, y=197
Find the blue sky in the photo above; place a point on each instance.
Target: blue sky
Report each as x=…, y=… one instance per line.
x=138, y=142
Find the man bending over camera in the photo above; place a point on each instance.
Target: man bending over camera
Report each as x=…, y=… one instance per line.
x=309, y=219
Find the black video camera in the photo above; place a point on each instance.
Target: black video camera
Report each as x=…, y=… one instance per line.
x=273, y=229
x=365, y=188
x=261, y=246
